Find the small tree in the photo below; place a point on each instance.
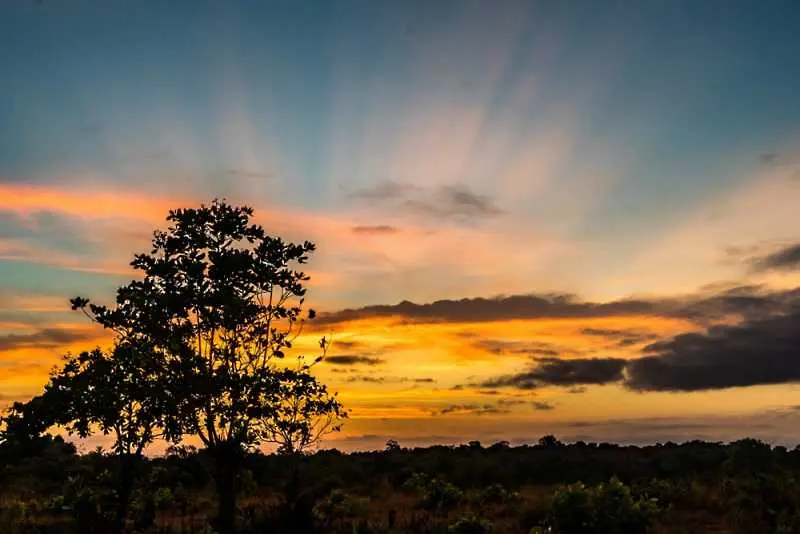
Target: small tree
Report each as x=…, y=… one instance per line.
x=22, y=430
x=120, y=393
x=221, y=302
x=305, y=413
x=604, y=509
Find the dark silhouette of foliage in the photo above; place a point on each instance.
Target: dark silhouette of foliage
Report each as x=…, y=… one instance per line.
x=608, y=508
x=220, y=303
x=470, y=525
x=744, y=487
x=118, y=393
x=21, y=429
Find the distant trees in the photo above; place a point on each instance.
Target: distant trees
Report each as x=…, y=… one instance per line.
x=198, y=350
x=392, y=445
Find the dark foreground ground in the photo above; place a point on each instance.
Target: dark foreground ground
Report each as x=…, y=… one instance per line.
x=696, y=487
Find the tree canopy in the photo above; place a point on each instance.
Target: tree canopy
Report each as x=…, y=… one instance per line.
x=201, y=338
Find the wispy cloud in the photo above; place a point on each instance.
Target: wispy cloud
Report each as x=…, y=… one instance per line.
x=738, y=300
x=559, y=372
x=444, y=202
x=783, y=259
x=353, y=359
x=473, y=409
x=381, y=229
x=621, y=337
x=44, y=338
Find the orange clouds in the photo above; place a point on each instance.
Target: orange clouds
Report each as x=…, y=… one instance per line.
x=82, y=202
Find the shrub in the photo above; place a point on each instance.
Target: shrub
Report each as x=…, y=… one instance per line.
x=335, y=508
x=496, y=494
x=605, y=509
x=440, y=497
x=416, y=482
x=470, y=525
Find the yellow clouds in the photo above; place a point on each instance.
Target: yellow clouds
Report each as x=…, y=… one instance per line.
x=426, y=368
x=27, y=353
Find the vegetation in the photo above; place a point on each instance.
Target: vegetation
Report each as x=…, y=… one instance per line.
x=745, y=487
x=200, y=341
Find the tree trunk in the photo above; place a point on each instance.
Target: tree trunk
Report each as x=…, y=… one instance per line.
x=298, y=504
x=127, y=473
x=225, y=471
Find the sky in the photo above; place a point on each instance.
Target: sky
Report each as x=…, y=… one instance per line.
x=573, y=218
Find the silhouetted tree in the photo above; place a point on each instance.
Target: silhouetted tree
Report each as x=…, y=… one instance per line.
x=22, y=430
x=392, y=445
x=222, y=302
x=121, y=393
x=549, y=442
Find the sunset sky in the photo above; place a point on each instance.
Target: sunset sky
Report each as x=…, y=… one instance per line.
x=574, y=217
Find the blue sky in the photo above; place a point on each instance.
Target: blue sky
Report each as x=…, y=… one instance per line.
x=445, y=149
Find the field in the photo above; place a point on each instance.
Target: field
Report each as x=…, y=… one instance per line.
x=742, y=487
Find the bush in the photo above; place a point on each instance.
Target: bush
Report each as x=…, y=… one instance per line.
x=496, y=494
x=605, y=509
x=440, y=497
x=335, y=508
x=470, y=525
x=416, y=482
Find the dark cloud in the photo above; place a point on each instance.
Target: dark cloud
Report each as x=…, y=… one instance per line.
x=347, y=345
x=424, y=380
x=390, y=379
x=784, y=259
x=367, y=379
x=559, y=372
x=742, y=301
x=353, y=359
x=380, y=229
x=492, y=309
x=753, y=352
x=763, y=347
x=769, y=158
x=498, y=346
x=763, y=351
x=621, y=338
x=454, y=202
x=462, y=199
x=542, y=406
x=474, y=409
x=511, y=401
x=443, y=202
x=41, y=339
